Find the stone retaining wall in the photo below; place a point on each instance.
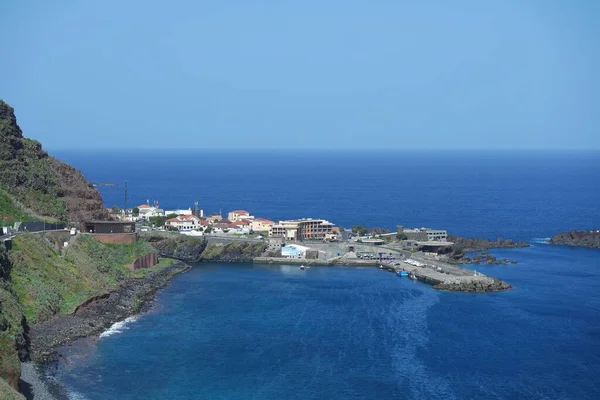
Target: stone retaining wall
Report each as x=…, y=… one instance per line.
x=114, y=238
x=149, y=260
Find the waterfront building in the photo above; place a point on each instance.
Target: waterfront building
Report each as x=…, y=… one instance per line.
x=238, y=214
x=185, y=222
x=425, y=234
x=294, y=251
x=436, y=235
x=261, y=225
x=303, y=229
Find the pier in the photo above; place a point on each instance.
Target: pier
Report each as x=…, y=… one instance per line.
x=440, y=275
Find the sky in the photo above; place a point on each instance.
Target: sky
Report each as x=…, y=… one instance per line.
x=287, y=74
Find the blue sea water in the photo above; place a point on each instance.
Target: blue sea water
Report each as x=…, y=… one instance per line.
x=519, y=195
x=242, y=331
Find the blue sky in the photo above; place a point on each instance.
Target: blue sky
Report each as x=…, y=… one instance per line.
x=465, y=74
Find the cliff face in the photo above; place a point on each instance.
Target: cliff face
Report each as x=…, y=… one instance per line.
x=589, y=239
x=40, y=184
x=14, y=345
x=195, y=250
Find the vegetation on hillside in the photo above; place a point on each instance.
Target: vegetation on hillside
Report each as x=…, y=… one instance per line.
x=39, y=182
x=11, y=327
x=47, y=282
x=10, y=212
x=39, y=279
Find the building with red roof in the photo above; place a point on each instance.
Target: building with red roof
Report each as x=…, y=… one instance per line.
x=238, y=214
x=185, y=222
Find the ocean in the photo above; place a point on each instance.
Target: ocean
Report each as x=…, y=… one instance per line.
x=243, y=331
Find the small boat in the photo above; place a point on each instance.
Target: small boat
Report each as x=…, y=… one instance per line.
x=412, y=276
x=402, y=273
x=302, y=267
x=381, y=267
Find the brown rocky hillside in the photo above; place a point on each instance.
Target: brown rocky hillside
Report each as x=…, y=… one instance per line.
x=40, y=183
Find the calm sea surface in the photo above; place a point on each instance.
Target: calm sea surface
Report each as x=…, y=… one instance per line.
x=271, y=332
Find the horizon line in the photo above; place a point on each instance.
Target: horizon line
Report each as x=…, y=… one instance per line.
x=321, y=149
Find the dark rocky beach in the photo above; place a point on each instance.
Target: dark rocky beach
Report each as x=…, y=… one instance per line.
x=90, y=319
x=98, y=313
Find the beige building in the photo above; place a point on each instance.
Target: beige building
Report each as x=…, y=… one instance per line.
x=303, y=229
x=261, y=225
x=238, y=214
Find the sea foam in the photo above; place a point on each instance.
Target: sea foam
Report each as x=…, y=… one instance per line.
x=118, y=327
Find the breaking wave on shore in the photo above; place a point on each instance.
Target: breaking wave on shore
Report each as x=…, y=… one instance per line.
x=118, y=327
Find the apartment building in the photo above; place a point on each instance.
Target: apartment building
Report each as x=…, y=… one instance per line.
x=303, y=229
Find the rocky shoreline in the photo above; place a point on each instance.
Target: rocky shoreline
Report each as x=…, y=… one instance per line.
x=99, y=313
x=589, y=239
x=474, y=286
x=456, y=253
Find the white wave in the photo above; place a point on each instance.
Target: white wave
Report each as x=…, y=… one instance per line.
x=118, y=327
x=75, y=396
x=540, y=240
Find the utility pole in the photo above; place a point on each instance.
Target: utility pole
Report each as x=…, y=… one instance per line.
x=125, y=207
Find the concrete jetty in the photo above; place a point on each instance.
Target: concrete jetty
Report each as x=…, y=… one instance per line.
x=452, y=278
x=442, y=276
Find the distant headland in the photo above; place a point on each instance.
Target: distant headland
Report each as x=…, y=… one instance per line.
x=589, y=239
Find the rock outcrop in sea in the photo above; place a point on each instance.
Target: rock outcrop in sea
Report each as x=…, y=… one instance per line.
x=590, y=239
x=462, y=245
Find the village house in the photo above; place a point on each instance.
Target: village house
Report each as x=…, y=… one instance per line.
x=238, y=214
x=221, y=227
x=241, y=226
x=184, y=222
x=261, y=225
x=214, y=218
x=147, y=211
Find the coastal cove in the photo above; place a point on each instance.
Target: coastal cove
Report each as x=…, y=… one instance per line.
x=356, y=331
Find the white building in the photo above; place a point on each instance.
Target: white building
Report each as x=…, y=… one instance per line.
x=184, y=212
x=184, y=222
x=437, y=235
x=294, y=251
x=147, y=211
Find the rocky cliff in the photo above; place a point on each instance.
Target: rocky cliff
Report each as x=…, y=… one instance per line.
x=589, y=239
x=14, y=344
x=38, y=184
x=195, y=249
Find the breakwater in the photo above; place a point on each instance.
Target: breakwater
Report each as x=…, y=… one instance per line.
x=453, y=278
x=441, y=276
